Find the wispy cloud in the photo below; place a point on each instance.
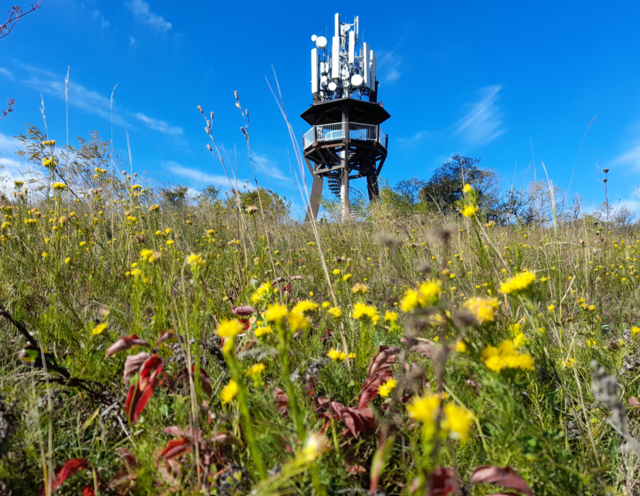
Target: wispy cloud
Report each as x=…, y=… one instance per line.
x=97, y=16
x=269, y=168
x=483, y=122
x=141, y=10
x=203, y=178
x=157, y=125
x=630, y=158
x=79, y=96
x=388, y=66
x=6, y=73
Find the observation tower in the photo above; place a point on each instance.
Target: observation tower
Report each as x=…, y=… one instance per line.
x=345, y=141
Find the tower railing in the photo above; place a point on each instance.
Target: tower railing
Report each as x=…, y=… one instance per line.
x=333, y=132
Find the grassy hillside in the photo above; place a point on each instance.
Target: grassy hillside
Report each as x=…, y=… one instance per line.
x=393, y=355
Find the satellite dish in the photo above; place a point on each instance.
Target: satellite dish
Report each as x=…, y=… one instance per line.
x=321, y=42
x=356, y=80
x=314, y=38
x=332, y=86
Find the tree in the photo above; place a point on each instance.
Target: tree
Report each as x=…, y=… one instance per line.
x=410, y=189
x=274, y=205
x=175, y=196
x=444, y=188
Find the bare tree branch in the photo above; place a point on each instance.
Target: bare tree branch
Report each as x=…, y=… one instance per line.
x=15, y=14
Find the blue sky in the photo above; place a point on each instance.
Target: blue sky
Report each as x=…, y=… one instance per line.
x=513, y=83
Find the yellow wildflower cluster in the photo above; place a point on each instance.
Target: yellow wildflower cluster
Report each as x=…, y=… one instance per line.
x=335, y=312
x=263, y=331
x=467, y=188
x=456, y=422
x=59, y=186
x=518, y=283
x=99, y=328
x=387, y=388
x=263, y=292
x=149, y=255
x=229, y=329
x=229, y=392
x=195, y=260
x=255, y=371
x=362, y=311
x=482, y=309
x=305, y=306
x=427, y=294
x=469, y=211
x=339, y=356
x=275, y=313
x=506, y=357
x=297, y=321
x=360, y=289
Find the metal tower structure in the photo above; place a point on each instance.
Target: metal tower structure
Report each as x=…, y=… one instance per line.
x=345, y=142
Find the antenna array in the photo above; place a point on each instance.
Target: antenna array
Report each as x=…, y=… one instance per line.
x=343, y=71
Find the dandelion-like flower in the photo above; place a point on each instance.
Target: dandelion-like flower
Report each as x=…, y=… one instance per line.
x=275, y=313
x=263, y=331
x=427, y=294
x=229, y=329
x=59, y=186
x=519, y=283
x=391, y=318
x=424, y=409
x=335, y=312
x=469, y=211
x=365, y=312
x=506, y=357
x=229, y=392
x=337, y=356
x=255, y=371
x=305, y=306
x=297, y=321
x=194, y=260
x=99, y=328
x=263, y=292
x=386, y=389
x=457, y=421
x=467, y=188
x=482, y=309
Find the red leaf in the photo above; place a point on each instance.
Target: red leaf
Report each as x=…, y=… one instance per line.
x=133, y=363
x=358, y=420
x=246, y=323
x=194, y=435
x=243, y=311
x=125, y=343
x=150, y=370
x=176, y=448
x=281, y=400
x=69, y=469
x=444, y=481
x=503, y=477
x=205, y=383
x=89, y=491
x=379, y=373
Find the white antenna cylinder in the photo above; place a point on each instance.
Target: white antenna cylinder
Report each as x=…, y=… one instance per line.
x=314, y=71
x=337, y=25
x=352, y=46
x=356, y=29
x=365, y=64
x=374, y=76
x=372, y=70
x=335, y=57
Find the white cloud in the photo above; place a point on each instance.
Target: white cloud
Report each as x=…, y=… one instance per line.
x=79, y=96
x=203, y=178
x=483, y=122
x=268, y=167
x=630, y=157
x=132, y=40
x=141, y=9
x=12, y=167
x=98, y=17
x=157, y=125
x=6, y=73
x=388, y=66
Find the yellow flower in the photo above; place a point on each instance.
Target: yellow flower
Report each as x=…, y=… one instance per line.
x=591, y=307
x=337, y=356
x=314, y=447
x=391, y=317
x=275, y=313
x=593, y=342
x=305, y=306
x=45, y=254
x=263, y=292
x=229, y=329
x=67, y=260
x=360, y=289
x=424, y=409
x=255, y=371
x=385, y=389
x=146, y=254
x=635, y=330
x=469, y=211
x=482, y=309
x=195, y=260
x=170, y=242
x=457, y=420
x=519, y=340
x=461, y=347
x=99, y=328
x=365, y=312
x=229, y=392
x=325, y=304
x=59, y=186
x=506, y=357
x=518, y=283
x=551, y=308
x=427, y=294
x=335, y=312
x=136, y=187
x=263, y=331
x=49, y=143
x=569, y=363
x=336, y=272
x=297, y=321
x=346, y=277
x=467, y=188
